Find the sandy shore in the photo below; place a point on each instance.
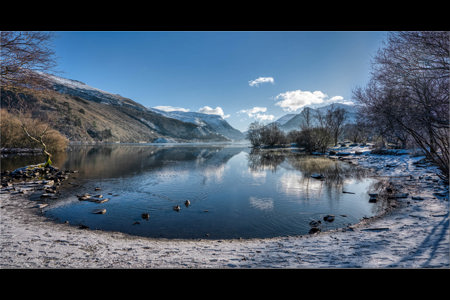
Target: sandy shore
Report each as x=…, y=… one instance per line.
x=415, y=234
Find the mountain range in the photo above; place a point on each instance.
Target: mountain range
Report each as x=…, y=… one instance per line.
x=87, y=114
x=294, y=121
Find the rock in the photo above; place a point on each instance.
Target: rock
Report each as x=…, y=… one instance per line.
x=401, y=195
x=332, y=152
x=315, y=223
x=84, y=197
x=358, y=153
x=101, y=200
x=100, y=211
x=373, y=195
x=376, y=229
x=346, y=192
x=329, y=218
x=417, y=198
x=177, y=208
x=317, y=176
x=314, y=230
x=42, y=205
x=343, y=154
x=187, y=203
x=372, y=199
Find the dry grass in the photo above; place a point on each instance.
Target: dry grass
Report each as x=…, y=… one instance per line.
x=13, y=136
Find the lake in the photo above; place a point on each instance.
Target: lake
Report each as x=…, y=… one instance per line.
x=234, y=191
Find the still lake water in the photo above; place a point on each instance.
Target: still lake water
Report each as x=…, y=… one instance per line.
x=233, y=191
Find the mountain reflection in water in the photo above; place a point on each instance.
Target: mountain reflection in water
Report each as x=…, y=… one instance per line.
x=234, y=191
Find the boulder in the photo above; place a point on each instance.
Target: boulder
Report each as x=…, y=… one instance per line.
x=314, y=230
x=101, y=200
x=315, y=223
x=329, y=218
x=100, y=211
x=401, y=195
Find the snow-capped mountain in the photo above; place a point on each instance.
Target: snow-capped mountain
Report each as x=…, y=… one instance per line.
x=207, y=121
x=82, y=90
x=294, y=121
x=281, y=121
x=149, y=123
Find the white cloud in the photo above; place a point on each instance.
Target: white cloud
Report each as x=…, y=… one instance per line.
x=171, y=108
x=340, y=99
x=213, y=111
x=256, y=111
x=260, y=80
x=264, y=117
x=294, y=100
x=253, y=110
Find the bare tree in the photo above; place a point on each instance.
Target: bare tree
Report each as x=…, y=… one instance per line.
x=254, y=134
x=23, y=56
x=272, y=135
x=306, y=122
x=334, y=120
x=409, y=91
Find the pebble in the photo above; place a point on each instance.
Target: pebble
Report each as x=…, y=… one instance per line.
x=329, y=218
x=99, y=211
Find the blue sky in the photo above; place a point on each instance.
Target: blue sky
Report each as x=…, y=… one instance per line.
x=242, y=75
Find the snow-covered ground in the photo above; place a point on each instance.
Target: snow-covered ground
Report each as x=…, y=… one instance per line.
x=414, y=234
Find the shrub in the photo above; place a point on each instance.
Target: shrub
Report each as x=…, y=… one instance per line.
x=314, y=139
x=13, y=136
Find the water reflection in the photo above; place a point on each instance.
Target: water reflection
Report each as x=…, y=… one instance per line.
x=130, y=160
x=336, y=173
x=234, y=191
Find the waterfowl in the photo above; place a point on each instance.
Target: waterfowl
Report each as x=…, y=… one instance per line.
x=176, y=208
x=187, y=203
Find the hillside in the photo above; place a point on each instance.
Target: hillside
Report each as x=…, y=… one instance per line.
x=81, y=120
x=87, y=114
x=209, y=122
x=293, y=121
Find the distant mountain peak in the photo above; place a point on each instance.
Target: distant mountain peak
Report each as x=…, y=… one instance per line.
x=293, y=121
x=213, y=122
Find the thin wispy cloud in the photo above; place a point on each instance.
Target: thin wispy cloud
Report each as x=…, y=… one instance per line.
x=171, y=108
x=213, y=111
x=260, y=80
x=292, y=101
x=257, y=113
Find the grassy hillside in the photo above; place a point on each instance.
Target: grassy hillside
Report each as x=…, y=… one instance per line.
x=88, y=121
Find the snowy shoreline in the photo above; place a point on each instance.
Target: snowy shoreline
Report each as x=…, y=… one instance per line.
x=415, y=234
